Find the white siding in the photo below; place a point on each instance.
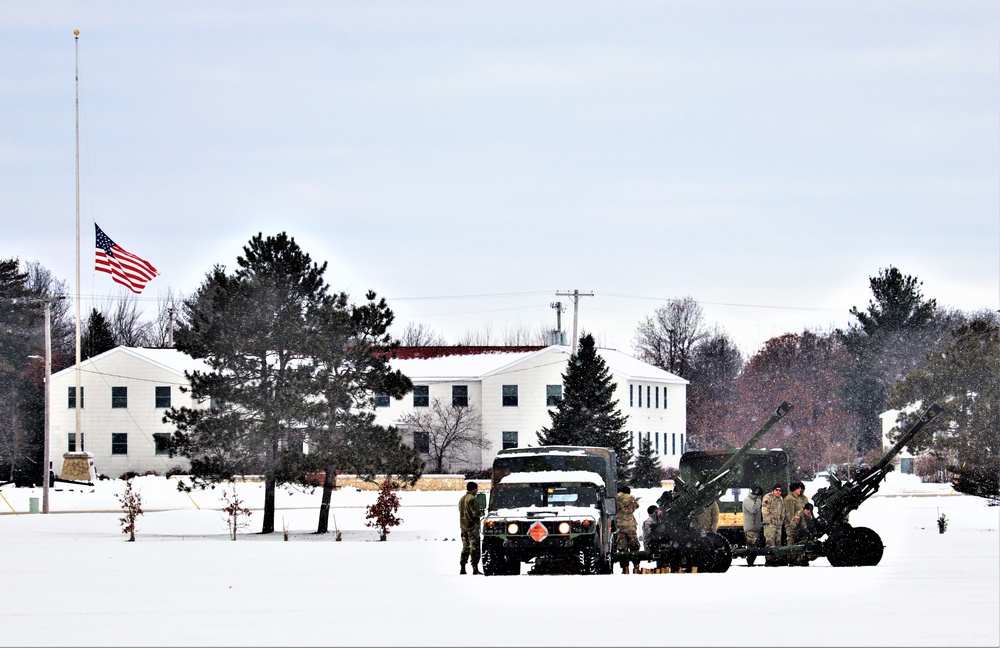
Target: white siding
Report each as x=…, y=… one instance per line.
x=119, y=367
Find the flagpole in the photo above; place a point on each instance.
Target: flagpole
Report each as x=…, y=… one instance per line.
x=79, y=392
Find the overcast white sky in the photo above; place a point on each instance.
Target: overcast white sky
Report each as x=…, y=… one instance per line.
x=470, y=160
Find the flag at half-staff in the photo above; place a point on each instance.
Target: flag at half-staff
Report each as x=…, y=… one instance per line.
x=124, y=267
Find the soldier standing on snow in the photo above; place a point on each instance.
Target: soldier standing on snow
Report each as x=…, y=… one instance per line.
x=468, y=515
x=772, y=511
x=628, y=538
x=795, y=525
x=753, y=521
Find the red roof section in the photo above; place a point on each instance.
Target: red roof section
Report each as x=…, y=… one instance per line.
x=420, y=352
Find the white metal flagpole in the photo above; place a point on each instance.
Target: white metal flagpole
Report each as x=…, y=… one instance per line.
x=79, y=395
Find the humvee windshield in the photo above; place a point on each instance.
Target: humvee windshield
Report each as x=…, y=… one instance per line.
x=506, y=496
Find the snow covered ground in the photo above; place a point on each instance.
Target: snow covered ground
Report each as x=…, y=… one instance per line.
x=70, y=578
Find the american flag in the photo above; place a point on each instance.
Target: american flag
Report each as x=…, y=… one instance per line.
x=124, y=267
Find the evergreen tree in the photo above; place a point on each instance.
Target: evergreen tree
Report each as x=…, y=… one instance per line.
x=588, y=415
x=256, y=330
x=647, y=472
x=965, y=380
x=892, y=337
x=351, y=358
x=97, y=336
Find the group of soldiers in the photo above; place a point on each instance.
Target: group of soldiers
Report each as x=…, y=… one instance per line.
x=705, y=521
x=778, y=519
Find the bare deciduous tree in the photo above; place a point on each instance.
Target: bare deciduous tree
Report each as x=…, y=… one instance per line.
x=450, y=432
x=421, y=335
x=516, y=334
x=126, y=321
x=668, y=337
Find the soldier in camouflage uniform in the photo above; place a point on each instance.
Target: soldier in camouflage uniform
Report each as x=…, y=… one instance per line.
x=753, y=522
x=795, y=525
x=772, y=510
x=628, y=537
x=707, y=519
x=468, y=515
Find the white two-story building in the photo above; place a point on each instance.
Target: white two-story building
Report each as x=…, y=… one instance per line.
x=124, y=394
x=514, y=391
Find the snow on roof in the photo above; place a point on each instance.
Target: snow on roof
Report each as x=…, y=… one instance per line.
x=583, y=476
x=169, y=359
x=476, y=366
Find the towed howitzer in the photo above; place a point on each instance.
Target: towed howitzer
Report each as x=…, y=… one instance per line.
x=842, y=544
x=671, y=541
x=849, y=546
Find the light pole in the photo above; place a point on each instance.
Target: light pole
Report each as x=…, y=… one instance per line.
x=48, y=379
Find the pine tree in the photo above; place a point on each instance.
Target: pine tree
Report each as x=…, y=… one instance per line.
x=256, y=330
x=588, y=415
x=647, y=472
x=965, y=379
x=97, y=337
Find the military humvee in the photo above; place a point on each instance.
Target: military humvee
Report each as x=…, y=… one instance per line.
x=551, y=502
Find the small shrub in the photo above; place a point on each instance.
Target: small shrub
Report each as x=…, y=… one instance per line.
x=131, y=502
x=942, y=523
x=235, y=510
x=382, y=513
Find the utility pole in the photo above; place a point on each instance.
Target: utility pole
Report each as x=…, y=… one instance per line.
x=576, y=295
x=46, y=450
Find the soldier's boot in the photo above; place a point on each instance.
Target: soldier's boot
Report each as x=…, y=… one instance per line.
x=475, y=570
x=625, y=568
x=635, y=568
x=462, y=571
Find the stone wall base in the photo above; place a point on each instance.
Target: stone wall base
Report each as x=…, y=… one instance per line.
x=78, y=466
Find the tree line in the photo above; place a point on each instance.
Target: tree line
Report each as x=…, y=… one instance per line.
x=901, y=351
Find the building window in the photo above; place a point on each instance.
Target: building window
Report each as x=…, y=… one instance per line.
x=381, y=400
x=553, y=394
x=657, y=437
x=640, y=395
x=119, y=443
x=649, y=401
x=673, y=443
x=161, y=441
x=71, y=397
x=683, y=444
x=657, y=397
x=509, y=439
x=421, y=396
x=664, y=398
x=631, y=442
x=631, y=390
x=422, y=441
x=459, y=395
x=510, y=395
x=163, y=396
x=119, y=397
x=71, y=442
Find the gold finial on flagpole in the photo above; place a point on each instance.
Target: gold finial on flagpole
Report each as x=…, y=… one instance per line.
x=76, y=32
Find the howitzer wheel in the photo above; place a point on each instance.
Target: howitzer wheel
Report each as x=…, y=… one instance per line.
x=855, y=547
x=716, y=553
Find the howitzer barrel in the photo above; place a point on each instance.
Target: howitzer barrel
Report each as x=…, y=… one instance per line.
x=697, y=497
x=907, y=436
x=838, y=499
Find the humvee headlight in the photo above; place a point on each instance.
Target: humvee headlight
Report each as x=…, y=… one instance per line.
x=564, y=527
x=513, y=528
